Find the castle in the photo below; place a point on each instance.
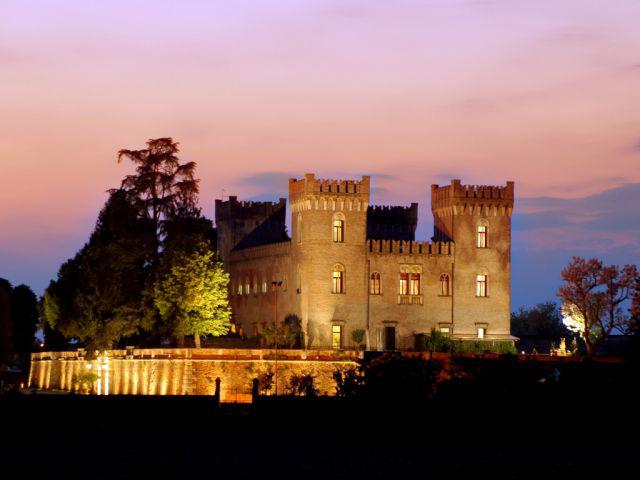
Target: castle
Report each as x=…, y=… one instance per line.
x=353, y=266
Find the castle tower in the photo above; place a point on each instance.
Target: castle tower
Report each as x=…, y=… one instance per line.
x=329, y=224
x=236, y=221
x=478, y=220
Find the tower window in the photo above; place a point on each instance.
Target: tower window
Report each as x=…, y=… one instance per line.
x=338, y=229
x=336, y=337
x=299, y=228
x=374, y=284
x=337, y=280
x=482, y=236
x=445, y=285
x=414, y=284
x=404, y=284
x=481, y=285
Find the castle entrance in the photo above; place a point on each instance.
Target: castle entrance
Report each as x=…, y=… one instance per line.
x=389, y=337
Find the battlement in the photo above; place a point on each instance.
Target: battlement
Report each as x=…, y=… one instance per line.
x=310, y=185
x=474, y=199
x=232, y=209
x=457, y=191
x=402, y=247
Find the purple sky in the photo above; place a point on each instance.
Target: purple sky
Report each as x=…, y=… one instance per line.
x=546, y=93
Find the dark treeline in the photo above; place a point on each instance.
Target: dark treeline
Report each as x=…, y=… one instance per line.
x=19, y=318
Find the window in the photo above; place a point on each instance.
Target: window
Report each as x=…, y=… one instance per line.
x=239, y=289
x=481, y=332
x=298, y=281
x=482, y=236
x=481, y=285
x=337, y=280
x=445, y=330
x=336, y=337
x=264, y=286
x=404, y=284
x=338, y=228
x=247, y=286
x=299, y=228
x=445, y=285
x=414, y=284
x=374, y=288
x=255, y=285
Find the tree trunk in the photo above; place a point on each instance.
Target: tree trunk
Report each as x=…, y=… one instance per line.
x=196, y=339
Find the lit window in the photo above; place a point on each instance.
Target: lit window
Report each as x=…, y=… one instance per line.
x=336, y=337
x=404, y=284
x=239, y=289
x=482, y=236
x=445, y=330
x=338, y=229
x=481, y=285
x=374, y=288
x=481, y=332
x=299, y=228
x=445, y=285
x=247, y=286
x=264, y=286
x=337, y=280
x=414, y=284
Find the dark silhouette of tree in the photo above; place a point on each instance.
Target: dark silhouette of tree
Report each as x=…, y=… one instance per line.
x=5, y=322
x=25, y=317
x=543, y=321
x=162, y=187
x=98, y=296
x=594, y=295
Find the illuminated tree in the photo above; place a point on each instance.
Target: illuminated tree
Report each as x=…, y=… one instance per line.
x=593, y=296
x=191, y=293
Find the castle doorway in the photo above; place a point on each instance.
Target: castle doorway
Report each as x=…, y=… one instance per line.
x=389, y=338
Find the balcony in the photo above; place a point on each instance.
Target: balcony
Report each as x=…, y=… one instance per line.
x=409, y=299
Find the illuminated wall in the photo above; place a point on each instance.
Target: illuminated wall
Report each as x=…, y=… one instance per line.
x=184, y=371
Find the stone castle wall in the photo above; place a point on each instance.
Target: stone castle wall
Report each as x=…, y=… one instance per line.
x=185, y=371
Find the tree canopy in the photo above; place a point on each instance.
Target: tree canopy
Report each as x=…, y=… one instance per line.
x=594, y=297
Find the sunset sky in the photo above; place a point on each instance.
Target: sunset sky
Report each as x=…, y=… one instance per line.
x=545, y=93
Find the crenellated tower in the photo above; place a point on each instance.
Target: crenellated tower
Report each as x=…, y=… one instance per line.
x=252, y=223
x=477, y=218
x=329, y=226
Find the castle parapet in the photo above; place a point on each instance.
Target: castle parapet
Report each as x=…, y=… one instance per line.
x=232, y=209
x=402, y=247
x=468, y=197
x=310, y=185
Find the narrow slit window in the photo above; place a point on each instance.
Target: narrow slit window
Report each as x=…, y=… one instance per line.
x=482, y=236
x=481, y=285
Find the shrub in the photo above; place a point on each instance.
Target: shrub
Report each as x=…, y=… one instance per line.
x=348, y=382
x=302, y=386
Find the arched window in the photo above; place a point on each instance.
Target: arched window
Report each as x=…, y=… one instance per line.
x=481, y=241
x=338, y=228
x=445, y=285
x=247, y=286
x=374, y=284
x=482, y=280
x=337, y=279
x=265, y=285
x=299, y=228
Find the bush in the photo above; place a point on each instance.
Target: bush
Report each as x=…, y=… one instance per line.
x=437, y=342
x=348, y=382
x=302, y=386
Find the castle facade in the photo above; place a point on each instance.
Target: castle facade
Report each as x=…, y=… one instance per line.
x=352, y=266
